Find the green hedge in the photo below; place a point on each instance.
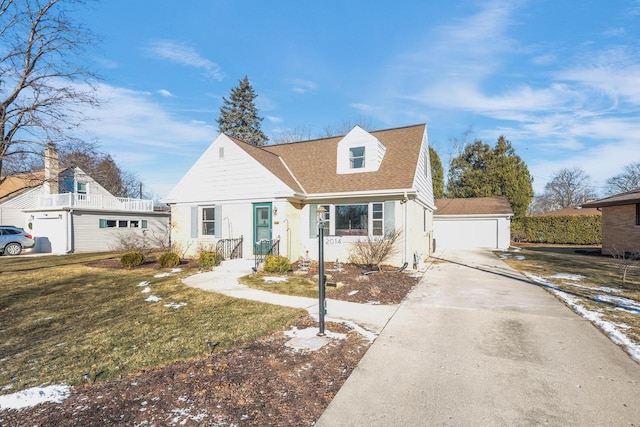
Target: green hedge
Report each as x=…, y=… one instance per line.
x=563, y=229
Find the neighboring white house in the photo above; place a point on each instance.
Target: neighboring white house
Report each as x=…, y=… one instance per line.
x=369, y=183
x=68, y=211
x=481, y=222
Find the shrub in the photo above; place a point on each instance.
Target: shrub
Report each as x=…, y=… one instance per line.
x=210, y=259
x=276, y=264
x=132, y=259
x=371, y=252
x=563, y=229
x=169, y=259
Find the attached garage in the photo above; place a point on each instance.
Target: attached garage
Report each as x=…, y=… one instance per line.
x=483, y=222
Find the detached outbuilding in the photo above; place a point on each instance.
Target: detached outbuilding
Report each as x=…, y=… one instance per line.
x=471, y=223
x=620, y=222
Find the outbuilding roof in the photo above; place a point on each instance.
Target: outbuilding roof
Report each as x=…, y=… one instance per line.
x=474, y=206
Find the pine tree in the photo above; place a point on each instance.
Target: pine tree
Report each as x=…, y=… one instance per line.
x=482, y=171
x=239, y=115
x=437, y=173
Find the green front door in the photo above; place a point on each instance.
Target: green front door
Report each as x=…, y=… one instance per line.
x=262, y=222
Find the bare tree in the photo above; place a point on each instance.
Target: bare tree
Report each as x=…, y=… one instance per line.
x=298, y=133
x=43, y=89
x=628, y=180
x=567, y=188
x=343, y=127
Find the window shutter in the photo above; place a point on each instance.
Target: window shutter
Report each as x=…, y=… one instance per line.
x=143, y=223
x=218, y=221
x=389, y=216
x=194, y=222
x=313, y=221
x=103, y=223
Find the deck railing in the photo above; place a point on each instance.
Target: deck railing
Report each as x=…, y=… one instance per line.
x=75, y=200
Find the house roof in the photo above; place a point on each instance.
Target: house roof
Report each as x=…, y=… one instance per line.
x=572, y=211
x=310, y=166
x=272, y=162
x=628, y=198
x=474, y=206
x=14, y=185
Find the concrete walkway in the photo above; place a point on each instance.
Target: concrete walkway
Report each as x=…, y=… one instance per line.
x=476, y=344
x=224, y=280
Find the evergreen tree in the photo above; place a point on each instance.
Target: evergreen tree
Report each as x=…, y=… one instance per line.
x=239, y=115
x=482, y=171
x=437, y=173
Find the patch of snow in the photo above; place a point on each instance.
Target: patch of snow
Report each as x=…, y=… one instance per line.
x=169, y=273
x=184, y=415
x=34, y=396
x=275, y=279
x=612, y=330
x=7, y=387
x=153, y=298
x=616, y=335
x=146, y=290
x=175, y=304
x=566, y=276
x=144, y=283
x=369, y=336
x=353, y=293
x=620, y=302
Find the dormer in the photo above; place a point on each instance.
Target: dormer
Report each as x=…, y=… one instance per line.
x=359, y=151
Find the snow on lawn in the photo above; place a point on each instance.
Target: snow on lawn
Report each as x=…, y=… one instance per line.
x=173, y=270
x=34, y=396
x=566, y=276
x=275, y=279
x=613, y=330
x=175, y=305
x=312, y=332
x=153, y=298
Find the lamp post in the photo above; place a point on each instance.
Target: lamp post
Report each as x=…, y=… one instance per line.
x=320, y=213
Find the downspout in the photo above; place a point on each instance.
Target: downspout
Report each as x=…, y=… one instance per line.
x=406, y=240
x=69, y=233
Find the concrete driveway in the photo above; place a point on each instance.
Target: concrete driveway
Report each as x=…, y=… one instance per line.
x=477, y=344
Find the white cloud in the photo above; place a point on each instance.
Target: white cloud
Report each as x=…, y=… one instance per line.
x=164, y=92
x=185, y=55
x=303, y=86
x=275, y=119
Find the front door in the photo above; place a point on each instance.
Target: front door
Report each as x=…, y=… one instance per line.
x=262, y=223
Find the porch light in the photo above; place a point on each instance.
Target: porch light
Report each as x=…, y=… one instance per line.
x=321, y=216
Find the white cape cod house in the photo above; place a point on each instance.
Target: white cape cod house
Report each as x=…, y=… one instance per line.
x=369, y=183
x=68, y=211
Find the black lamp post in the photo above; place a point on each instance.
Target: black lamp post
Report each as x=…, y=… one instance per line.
x=320, y=212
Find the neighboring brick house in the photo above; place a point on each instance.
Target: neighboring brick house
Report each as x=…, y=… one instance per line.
x=369, y=183
x=620, y=222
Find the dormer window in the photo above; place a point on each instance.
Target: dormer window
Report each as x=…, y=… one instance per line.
x=359, y=152
x=356, y=157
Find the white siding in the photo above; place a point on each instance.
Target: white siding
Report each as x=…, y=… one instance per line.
x=423, y=181
x=241, y=176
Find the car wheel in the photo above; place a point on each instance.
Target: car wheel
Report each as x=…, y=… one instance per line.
x=13, y=249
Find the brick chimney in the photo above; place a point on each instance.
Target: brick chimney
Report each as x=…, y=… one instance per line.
x=51, y=167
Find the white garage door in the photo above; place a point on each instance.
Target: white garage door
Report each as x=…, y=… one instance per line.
x=466, y=234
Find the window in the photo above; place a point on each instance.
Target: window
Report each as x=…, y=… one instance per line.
x=208, y=221
x=82, y=188
x=352, y=220
x=638, y=214
x=377, y=213
x=123, y=223
x=356, y=157
x=134, y=224
x=108, y=223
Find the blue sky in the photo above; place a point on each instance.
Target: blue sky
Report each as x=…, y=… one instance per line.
x=560, y=79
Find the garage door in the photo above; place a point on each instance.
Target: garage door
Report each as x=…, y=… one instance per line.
x=466, y=234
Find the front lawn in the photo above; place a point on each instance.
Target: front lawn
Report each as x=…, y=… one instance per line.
x=64, y=321
x=590, y=284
